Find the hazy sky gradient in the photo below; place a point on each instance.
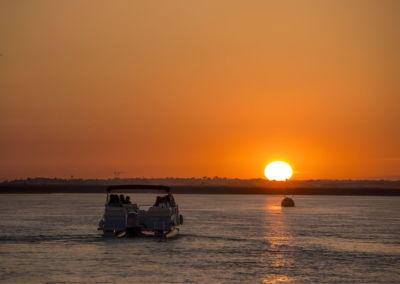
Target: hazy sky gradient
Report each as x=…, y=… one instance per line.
x=195, y=88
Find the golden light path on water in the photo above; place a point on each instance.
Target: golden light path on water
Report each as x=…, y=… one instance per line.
x=277, y=234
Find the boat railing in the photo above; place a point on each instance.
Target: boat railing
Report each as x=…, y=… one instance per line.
x=147, y=205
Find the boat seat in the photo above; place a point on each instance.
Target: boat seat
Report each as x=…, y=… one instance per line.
x=155, y=211
x=113, y=205
x=115, y=211
x=131, y=206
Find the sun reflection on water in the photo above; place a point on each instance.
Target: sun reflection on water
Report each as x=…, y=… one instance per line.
x=278, y=279
x=271, y=208
x=278, y=236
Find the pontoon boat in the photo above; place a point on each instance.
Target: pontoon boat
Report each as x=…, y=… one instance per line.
x=131, y=220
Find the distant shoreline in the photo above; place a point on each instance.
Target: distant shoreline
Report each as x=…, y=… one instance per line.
x=71, y=189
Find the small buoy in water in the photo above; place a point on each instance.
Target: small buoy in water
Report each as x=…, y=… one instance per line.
x=287, y=202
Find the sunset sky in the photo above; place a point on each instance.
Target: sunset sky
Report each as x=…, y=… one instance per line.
x=199, y=88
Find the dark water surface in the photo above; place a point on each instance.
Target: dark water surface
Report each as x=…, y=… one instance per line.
x=225, y=238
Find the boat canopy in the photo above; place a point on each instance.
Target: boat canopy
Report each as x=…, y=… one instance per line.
x=138, y=188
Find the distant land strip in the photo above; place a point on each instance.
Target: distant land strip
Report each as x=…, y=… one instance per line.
x=48, y=189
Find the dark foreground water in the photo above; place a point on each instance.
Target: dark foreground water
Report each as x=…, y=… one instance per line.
x=48, y=238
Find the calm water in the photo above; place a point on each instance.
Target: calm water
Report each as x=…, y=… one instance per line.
x=46, y=238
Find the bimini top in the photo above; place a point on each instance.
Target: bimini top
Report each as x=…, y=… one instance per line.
x=139, y=188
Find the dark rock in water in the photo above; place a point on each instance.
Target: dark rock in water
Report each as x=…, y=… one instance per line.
x=287, y=202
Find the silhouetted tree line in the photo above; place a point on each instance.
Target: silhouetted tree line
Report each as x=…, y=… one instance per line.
x=213, y=181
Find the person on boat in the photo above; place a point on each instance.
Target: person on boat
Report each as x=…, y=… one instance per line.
x=114, y=198
x=163, y=202
x=128, y=200
x=114, y=201
x=158, y=201
x=122, y=199
x=171, y=199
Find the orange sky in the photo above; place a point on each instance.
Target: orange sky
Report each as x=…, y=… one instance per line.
x=199, y=88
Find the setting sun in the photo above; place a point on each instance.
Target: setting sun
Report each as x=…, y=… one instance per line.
x=278, y=171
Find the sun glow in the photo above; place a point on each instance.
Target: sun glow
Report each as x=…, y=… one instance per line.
x=278, y=171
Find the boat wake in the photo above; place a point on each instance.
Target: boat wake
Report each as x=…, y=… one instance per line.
x=43, y=238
